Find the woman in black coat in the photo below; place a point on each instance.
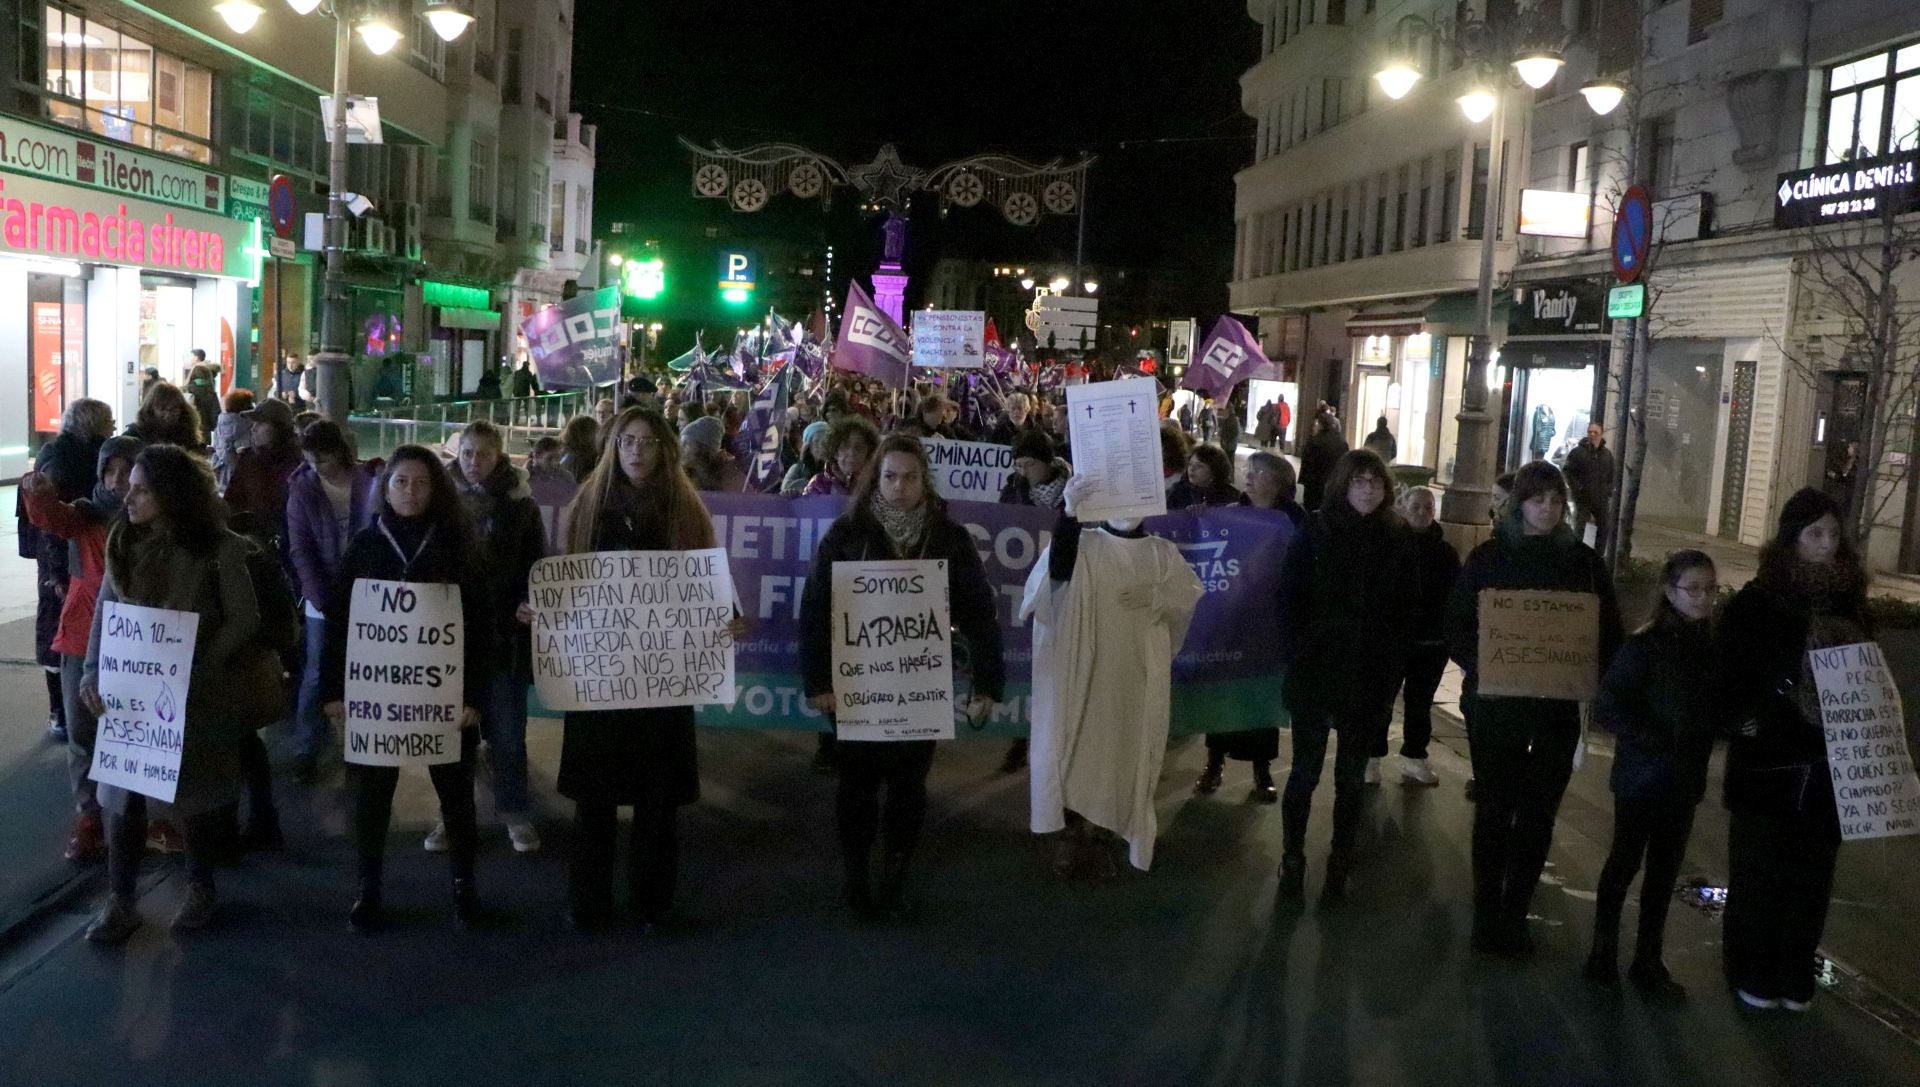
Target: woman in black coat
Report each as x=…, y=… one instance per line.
x=1522, y=747
x=1658, y=700
x=1438, y=564
x=1347, y=609
x=1318, y=455
x=1783, y=832
x=636, y=499
x=422, y=534
x=894, y=514
x=1208, y=481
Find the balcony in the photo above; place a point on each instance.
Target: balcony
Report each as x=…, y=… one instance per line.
x=1446, y=268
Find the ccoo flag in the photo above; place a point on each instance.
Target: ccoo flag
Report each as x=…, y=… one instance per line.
x=1229, y=356
x=870, y=342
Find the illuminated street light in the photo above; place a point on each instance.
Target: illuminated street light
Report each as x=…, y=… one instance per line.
x=447, y=19
x=1397, y=79
x=1477, y=104
x=1603, y=95
x=378, y=34
x=1537, y=68
x=239, y=14
x=303, y=7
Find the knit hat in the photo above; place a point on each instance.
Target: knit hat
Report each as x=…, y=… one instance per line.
x=813, y=431
x=1033, y=443
x=705, y=432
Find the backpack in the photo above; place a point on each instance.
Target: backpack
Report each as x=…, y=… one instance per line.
x=279, y=611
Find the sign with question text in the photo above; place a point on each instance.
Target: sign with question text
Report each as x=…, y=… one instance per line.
x=146, y=667
x=892, y=651
x=405, y=673
x=617, y=630
x=1875, y=791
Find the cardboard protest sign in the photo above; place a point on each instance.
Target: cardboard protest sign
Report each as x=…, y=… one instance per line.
x=949, y=339
x=1114, y=428
x=1539, y=645
x=146, y=668
x=968, y=471
x=405, y=673
x=616, y=630
x=1874, y=787
x=892, y=651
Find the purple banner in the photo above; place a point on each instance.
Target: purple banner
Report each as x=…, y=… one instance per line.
x=576, y=344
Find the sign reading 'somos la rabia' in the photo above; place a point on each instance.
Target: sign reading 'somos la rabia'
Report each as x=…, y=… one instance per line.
x=47, y=219
x=1859, y=189
x=61, y=154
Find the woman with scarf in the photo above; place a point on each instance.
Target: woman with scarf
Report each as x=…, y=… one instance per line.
x=168, y=548
x=1347, y=590
x=510, y=540
x=82, y=528
x=893, y=514
x=1783, y=833
x=812, y=460
x=1522, y=747
x=167, y=417
x=637, y=499
x=421, y=533
x=1662, y=709
x=851, y=441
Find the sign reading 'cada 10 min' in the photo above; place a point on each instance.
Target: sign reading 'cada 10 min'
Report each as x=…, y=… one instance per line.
x=1861, y=189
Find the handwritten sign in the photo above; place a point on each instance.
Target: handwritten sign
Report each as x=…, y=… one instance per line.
x=892, y=651
x=615, y=630
x=949, y=339
x=968, y=471
x=1874, y=787
x=146, y=667
x=1539, y=645
x=1114, y=428
x=405, y=678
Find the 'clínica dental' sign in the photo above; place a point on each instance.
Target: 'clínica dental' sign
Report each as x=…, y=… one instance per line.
x=1860, y=189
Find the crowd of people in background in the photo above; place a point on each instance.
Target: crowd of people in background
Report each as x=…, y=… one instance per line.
x=258, y=516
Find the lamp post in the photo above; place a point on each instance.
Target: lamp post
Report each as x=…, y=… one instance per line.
x=1525, y=51
x=449, y=20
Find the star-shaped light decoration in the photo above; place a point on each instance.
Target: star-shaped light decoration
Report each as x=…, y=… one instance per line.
x=883, y=179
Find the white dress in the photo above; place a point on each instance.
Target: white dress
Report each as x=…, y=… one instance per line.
x=1101, y=678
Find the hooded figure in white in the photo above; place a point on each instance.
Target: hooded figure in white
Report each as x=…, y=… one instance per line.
x=1110, y=607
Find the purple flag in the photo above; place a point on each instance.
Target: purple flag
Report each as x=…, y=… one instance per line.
x=870, y=342
x=765, y=432
x=575, y=344
x=1229, y=356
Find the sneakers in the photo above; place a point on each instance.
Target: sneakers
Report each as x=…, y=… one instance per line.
x=118, y=920
x=1793, y=1005
x=436, y=840
x=521, y=832
x=1762, y=1003
x=1373, y=772
x=89, y=840
x=1417, y=772
x=164, y=837
x=56, y=730
x=197, y=909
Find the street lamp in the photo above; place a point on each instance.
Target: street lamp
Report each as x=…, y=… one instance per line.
x=447, y=18
x=1477, y=104
x=378, y=34
x=239, y=14
x=1091, y=287
x=1603, y=95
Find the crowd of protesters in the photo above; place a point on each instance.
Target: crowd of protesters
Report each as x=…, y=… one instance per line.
x=261, y=523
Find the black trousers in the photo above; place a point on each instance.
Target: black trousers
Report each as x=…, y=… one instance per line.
x=1523, y=767
x=1425, y=665
x=127, y=844
x=1310, y=732
x=1779, y=881
x=372, y=788
x=1655, y=831
x=259, y=776
x=902, y=768
x=653, y=859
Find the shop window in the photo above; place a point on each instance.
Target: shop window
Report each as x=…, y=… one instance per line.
x=1871, y=106
x=118, y=86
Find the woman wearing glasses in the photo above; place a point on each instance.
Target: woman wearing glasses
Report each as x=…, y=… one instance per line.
x=637, y=499
x=1349, y=589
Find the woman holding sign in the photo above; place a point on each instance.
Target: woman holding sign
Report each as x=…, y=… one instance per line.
x=170, y=550
x=637, y=499
x=1783, y=832
x=1523, y=746
x=421, y=534
x=894, y=514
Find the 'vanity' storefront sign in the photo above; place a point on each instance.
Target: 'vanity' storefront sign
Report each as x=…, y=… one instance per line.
x=1848, y=190
x=66, y=222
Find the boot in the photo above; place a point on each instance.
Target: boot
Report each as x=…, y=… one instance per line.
x=1263, y=790
x=859, y=884
x=1293, y=877
x=262, y=832
x=1649, y=974
x=366, y=914
x=890, y=896
x=1209, y=782
x=1603, y=962
x=1339, y=866
x=1016, y=759
x=466, y=903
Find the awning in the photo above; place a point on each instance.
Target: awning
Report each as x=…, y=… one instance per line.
x=455, y=317
x=1462, y=310
x=1402, y=317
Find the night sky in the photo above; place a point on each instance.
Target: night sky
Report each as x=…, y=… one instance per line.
x=1150, y=86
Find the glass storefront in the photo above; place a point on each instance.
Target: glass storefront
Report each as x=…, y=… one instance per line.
x=1395, y=377
x=1551, y=409
x=166, y=326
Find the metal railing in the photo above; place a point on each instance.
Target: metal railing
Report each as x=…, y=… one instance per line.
x=378, y=431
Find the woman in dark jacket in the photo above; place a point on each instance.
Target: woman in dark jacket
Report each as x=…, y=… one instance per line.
x=257, y=490
x=1659, y=702
x=1437, y=564
x=1318, y=455
x=68, y=462
x=510, y=540
x=637, y=499
x=1208, y=481
x=420, y=534
x=167, y=416
x=1348, y=597
x=1039, y=475
x=1522, y=747
x=1270, y=486
x=1783, y=833
x=894, y=514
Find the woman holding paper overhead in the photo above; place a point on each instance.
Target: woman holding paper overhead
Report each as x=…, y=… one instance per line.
x=420, y=534
x=894, y=514
x=1523, y=747
x=637, y=499
x=169, y=549
x=1783, y=832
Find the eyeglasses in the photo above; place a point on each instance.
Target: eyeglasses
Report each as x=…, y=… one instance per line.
x=633, y=441
x=1698, y=591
